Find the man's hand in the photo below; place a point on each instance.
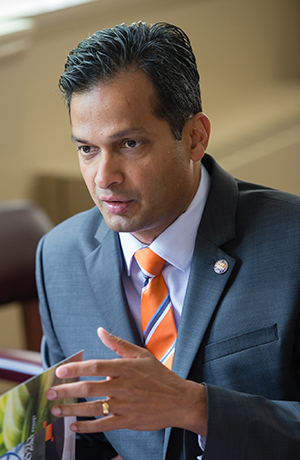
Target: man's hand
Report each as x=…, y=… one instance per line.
x=142, y=393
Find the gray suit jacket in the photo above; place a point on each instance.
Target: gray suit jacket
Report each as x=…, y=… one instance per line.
x=239, y=331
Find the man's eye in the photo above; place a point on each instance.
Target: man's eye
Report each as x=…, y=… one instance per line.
x=131, y=144
x=85, y=150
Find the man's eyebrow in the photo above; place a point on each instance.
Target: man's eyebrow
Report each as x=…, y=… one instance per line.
x=127, y=132
x=76, y=139
x=124, y=133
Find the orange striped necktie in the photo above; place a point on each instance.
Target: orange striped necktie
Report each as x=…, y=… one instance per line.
x=158, y=325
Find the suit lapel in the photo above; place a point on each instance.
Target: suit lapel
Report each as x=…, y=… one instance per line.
x=203, y=294
x=205, y=286
x=104, y=267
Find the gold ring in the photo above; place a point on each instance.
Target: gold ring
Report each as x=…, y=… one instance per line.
x=105, y=408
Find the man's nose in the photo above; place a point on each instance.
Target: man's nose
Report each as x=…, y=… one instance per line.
x=108, y=171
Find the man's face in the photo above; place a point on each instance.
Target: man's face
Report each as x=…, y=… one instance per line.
x=138, y=175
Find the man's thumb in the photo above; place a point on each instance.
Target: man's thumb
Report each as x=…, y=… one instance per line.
x=122, y=347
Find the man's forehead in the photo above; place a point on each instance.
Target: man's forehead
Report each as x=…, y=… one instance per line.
x=128, y=96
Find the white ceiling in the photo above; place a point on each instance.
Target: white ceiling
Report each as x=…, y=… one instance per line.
x=27, y=8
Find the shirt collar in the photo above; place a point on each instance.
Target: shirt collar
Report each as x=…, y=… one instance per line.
x=180, y=235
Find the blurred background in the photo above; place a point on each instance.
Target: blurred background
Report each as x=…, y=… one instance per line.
x=248, y=55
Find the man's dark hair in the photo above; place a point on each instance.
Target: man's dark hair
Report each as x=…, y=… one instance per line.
x=162, y=51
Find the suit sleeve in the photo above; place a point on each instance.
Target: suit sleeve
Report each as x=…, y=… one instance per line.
x=248, y=426
x=50, y=348
x=243, y=426
x=87, y=446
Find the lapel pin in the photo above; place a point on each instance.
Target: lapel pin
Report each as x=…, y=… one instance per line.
x=221, y=266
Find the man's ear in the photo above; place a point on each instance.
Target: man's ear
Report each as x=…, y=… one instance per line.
x=199, y=130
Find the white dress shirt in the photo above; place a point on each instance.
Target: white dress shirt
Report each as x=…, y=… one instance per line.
x=176, y=246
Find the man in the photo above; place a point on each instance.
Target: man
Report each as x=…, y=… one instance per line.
x=232, y=270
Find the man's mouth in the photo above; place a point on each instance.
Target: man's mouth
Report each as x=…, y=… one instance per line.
x=115, y=205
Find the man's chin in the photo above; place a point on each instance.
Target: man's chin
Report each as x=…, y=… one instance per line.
x=118, y=223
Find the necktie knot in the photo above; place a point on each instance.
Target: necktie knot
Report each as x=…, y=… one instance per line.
x=149, y=262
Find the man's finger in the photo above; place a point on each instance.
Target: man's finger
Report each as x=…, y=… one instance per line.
x=78, y=390
x=103, y=368
x=90, y=368
x=110, y=423
x=86, y=409
x=120, y=346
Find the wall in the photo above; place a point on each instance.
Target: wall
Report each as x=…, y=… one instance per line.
x=248, y=56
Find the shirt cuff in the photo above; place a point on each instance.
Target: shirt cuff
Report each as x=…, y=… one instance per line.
x=202, y=443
